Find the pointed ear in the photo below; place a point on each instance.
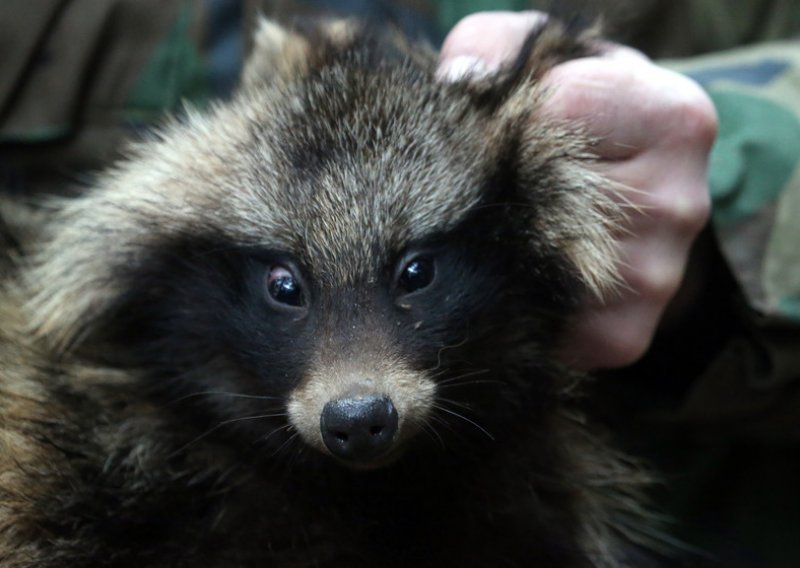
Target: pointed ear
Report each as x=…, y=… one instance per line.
x=547, y=44
x=278, y=54
x=570, y=208
x=562, y=207
x=283, y=53
x=567, y=209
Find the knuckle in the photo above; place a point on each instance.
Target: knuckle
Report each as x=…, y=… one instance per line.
x=628, y=352
x=653, y=276
x=660, y=279
x=688, y=211
x=626, y=344
x=677, y=209
x=693, y=117
x=464, y=36
x=700, y=212
x=610, y=337
x=482, y=43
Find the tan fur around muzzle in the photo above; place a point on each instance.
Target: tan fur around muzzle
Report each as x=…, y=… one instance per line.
x=411, y=392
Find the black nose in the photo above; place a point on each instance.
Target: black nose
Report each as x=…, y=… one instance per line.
x=359, y=428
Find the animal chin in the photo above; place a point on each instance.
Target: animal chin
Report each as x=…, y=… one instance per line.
x=385, y=460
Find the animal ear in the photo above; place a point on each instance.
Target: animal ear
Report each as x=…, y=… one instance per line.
x=284, y=53
x=548, y=44
x=278, y=53
x=565, y=206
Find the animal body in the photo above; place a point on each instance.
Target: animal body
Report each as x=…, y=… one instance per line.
x=314, y=327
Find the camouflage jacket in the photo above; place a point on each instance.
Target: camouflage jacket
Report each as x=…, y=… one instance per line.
x=754, y=180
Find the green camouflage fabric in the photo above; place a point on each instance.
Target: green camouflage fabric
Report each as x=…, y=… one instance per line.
x=754, y=180
x=755, y=169
x=78, y=77
x=87, y=74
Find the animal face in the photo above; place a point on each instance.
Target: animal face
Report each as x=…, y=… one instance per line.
x=352, y=341
x=350, y=256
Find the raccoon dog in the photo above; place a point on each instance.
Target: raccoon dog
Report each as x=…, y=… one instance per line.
x=313, y=327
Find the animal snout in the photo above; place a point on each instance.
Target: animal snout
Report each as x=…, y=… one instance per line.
x=359, y=428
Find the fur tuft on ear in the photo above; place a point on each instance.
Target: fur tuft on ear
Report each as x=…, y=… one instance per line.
x=553, y=42
x=548, y=44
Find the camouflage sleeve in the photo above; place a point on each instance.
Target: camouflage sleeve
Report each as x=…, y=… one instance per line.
x=755, y=169
x=754, y=180
x=741, y=412
x=83, y=76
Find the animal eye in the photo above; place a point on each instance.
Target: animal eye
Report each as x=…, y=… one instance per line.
x=284, y=287
x=417, y=274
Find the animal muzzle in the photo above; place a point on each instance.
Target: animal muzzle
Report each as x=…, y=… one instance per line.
x=361, y=415
x=359, y=429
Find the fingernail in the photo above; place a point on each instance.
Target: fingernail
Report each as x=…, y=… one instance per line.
x=462, y=67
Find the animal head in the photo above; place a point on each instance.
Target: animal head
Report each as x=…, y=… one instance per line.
x=347, y=252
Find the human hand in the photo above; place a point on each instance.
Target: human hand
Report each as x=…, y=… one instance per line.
x=655, y=130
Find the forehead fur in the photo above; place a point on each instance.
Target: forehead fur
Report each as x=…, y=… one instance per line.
x=372, y=161
x=346, y=166
x=341, y=165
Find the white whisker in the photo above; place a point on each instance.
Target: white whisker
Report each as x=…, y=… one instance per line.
x=220, y=425
x=287, y=441
x=224, y=393
x=462, y=417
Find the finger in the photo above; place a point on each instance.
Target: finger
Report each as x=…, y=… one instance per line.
x=482, y=43
x=621, y=53
x=670, y=191
x=590, y=345
x=598, y=92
